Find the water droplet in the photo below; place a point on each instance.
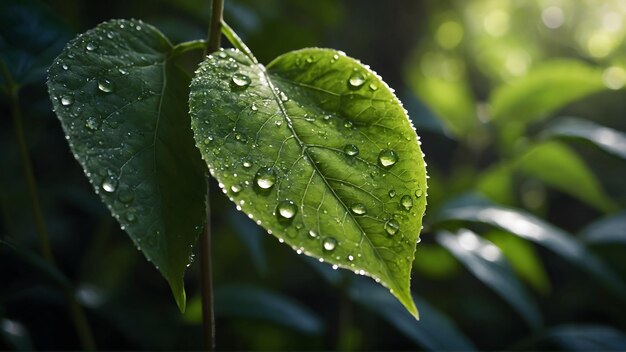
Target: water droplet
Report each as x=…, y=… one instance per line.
x=109, y=184
x=247, y=163
x=265, y=178
x=240, y=80
x=92, y=123
x=356, y=80
x=387, y=157
x=407, y=202
x=418, y=192
x=348, y=124
x=67, y=100
x=329, y=244
x=122, y=71
x=350, y=258
x=283, y=96
x=235, y=188
x=312, y=234
x=254, y=107
x=358, y=209
x=373, y=86
x=91, y=46
x=64, y=66
x=392, y=227
x=105, y=85
x=287, y=209
x=310, y=59
x=130, y=216
x=392, y=193
x=351, y=149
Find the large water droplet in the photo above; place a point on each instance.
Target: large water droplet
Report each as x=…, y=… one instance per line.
x=109, y=184
x=91, y=46
x=387, y=157
x=358, y=209
x=407, y=202
x=240, y=80
x=105, y=85
x=330, y=243
x=351, y=149
x=287, y=209
x=67, y=100
x=265, y=177
x=356, y=80
x=392, y=227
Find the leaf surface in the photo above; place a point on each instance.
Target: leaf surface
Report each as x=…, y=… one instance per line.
x=318, y=150
x=122, y=102
x=609, y=230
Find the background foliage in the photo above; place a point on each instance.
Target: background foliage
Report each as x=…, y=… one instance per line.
x=520, y=108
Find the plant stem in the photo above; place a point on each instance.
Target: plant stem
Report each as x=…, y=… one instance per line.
x=76, y=312
x=234, y=39
x=206, y=273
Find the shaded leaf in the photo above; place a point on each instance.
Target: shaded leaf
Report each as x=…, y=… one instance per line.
x=30, y=37
x=121, y=100
x=608, y=139
x=545, y=89
x=611, y=229
x=15, y=335
x=483, y=259
x=587, y=338
x=311, y=148
x=534, y=229
x=251, y=236
x=557, y=165
x=242, y=301
x=435, y=331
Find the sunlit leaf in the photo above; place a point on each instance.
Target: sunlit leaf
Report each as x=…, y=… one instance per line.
x=608, y=139
x=608, y=230
x=121, y=100
x=483, y=259
x=545, y=89
x=318, y=150
x=242, y=301
x=435, y=331
x=30, y=37
x=536, y=230
x=558, y=166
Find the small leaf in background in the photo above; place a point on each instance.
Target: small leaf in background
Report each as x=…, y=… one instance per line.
x=610, y=140
x=536, y=230
x=251, y=236
x=243, y=301
x=440, y=82
x=557, y=165
x=31, y=36
x=611, y=229
x=435, y=331
x=586, y=338
x=121, y=100
x=15, y=335
x=544, y=90
x=483, y=259
x=523, y=258
x=319, y=151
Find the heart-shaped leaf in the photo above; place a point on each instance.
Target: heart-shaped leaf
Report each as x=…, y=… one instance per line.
x=318, y=150
x=121, y=100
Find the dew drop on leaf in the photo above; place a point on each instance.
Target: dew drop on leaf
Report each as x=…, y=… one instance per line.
x=356, y=80
x=109, y=184
x=287, y=209
x=358, y=209
x=312, y=234
x=350, y=258
x=130, y=216
x=235, y=188
x=265, y=177
x=387, y=157
x=418, y=193
x=239, y=80
x=105, y=85
x=330, y=243
x=392, y=227
x=247, y=163
x=407, y=202
x=392, y=193
x=91, y=46
x=67, y=100
x=373, y=86
x=351, y=149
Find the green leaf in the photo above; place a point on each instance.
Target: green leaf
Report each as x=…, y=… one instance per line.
x=483, y=259
x=30, y=37
x=435, y=331
x=243, y=301
x=545, y=89
x=611, y=229
x=610, y=140
x=311, y=148
x=121, y=100
x=536, y=230
x=557, y=165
